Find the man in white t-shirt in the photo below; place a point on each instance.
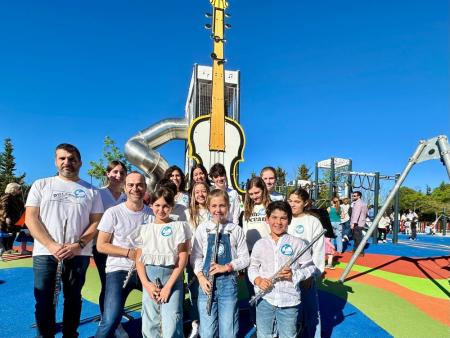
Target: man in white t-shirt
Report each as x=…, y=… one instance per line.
x=114, y=231
x=269, y=176
x=62, y=215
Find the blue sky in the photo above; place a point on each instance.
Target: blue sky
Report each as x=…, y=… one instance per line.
x=364, y=80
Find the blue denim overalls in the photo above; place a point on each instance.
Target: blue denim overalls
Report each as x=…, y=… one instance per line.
x=223, y=321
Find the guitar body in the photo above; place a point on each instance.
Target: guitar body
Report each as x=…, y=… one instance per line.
x=199, y=136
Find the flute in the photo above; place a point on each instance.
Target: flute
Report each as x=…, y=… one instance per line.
x=59, y=269
x=211, y=277
x=129, y=274
x=291, y=261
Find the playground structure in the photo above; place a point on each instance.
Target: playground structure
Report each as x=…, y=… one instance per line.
x=210, y=127
x=435, y=148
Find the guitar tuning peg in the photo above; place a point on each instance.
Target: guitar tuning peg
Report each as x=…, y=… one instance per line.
x=208, y=15
x=227, y=15
x=227, y=26
x=208, y=26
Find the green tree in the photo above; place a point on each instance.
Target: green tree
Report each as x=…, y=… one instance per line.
x=303, y=172
x=8, y=167
x=280, y=174
x=110, y=153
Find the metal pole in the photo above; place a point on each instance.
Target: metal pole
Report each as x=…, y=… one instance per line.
x=349, y=180
x=445, y=152
x=316, y=180
x=375, y=204
x=374, y=225
x=396, y=214
x=332, y=179
x=444, y=223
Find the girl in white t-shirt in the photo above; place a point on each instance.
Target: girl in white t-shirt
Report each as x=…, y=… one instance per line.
x=306, y=226
x=162, y=254
x=254, y=220
x=196, y=214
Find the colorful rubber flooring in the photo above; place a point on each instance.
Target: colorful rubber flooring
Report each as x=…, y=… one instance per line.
x=394, y=290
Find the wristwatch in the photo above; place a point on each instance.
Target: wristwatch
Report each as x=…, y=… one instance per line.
x=81, y=244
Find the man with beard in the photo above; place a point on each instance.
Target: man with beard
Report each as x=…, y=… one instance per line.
x=62, y=215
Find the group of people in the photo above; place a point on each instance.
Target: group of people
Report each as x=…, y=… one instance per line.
x=194, y=228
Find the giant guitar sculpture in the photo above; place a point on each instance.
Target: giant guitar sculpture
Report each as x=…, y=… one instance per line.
x=217, y=138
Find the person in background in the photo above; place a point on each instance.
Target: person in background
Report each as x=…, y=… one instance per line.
x=62, y=213
x=198, y=174
x=11, y=208
x=358, y=219
x=383, y=226
x=345, y=219
x=175, y=174
x=335, y=213
x=269, y=176
x=218, y=174
x=111, y=195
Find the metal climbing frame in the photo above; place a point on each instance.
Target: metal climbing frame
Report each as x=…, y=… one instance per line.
x=433, y=149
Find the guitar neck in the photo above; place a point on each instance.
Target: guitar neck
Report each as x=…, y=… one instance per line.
x=217, y=140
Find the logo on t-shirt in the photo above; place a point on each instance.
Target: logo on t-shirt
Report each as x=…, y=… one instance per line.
x=221, y=249
x=287, y=250
x=299, y=229
x=68, y=197
x=166, y=231
x=262, y=212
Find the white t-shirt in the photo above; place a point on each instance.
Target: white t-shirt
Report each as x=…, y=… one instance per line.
x=203, y=216
x=121, y=222
x=276, y=196
x=183, y=199
x=159, y=242
x=108, y=199
x=59, y=201
x=307, y=227
x=235, y=206
x=255, y=227
x=344, y=209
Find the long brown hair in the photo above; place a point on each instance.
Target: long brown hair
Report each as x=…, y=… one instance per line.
x=249, y=204
x=194, y=207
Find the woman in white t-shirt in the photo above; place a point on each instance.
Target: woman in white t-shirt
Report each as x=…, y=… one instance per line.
x=162, y=256
x=175, y=174
x=306, y=226
x=254, y=220
x=112, y=194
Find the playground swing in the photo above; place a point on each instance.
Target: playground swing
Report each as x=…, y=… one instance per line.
x=435, y=148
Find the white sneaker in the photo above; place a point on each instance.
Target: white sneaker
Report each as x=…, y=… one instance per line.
x=194, y=331
x=120, y=332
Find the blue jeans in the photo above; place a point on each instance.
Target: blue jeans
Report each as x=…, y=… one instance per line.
x=192, y=311
x=115, y=297
x=346, y=231
x=100, y=262
x=337, y=230
x=285, y=319
x=223, y=321
x=162, y=320
x=310, y=314
x=73, y=277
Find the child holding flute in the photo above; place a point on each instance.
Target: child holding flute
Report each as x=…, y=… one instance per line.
x=276, y=310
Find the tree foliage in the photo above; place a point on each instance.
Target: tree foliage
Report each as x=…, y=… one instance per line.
x=280, y=174
x=8, y=167
x=303, y=172
x=426, y=205
x=110, y=153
